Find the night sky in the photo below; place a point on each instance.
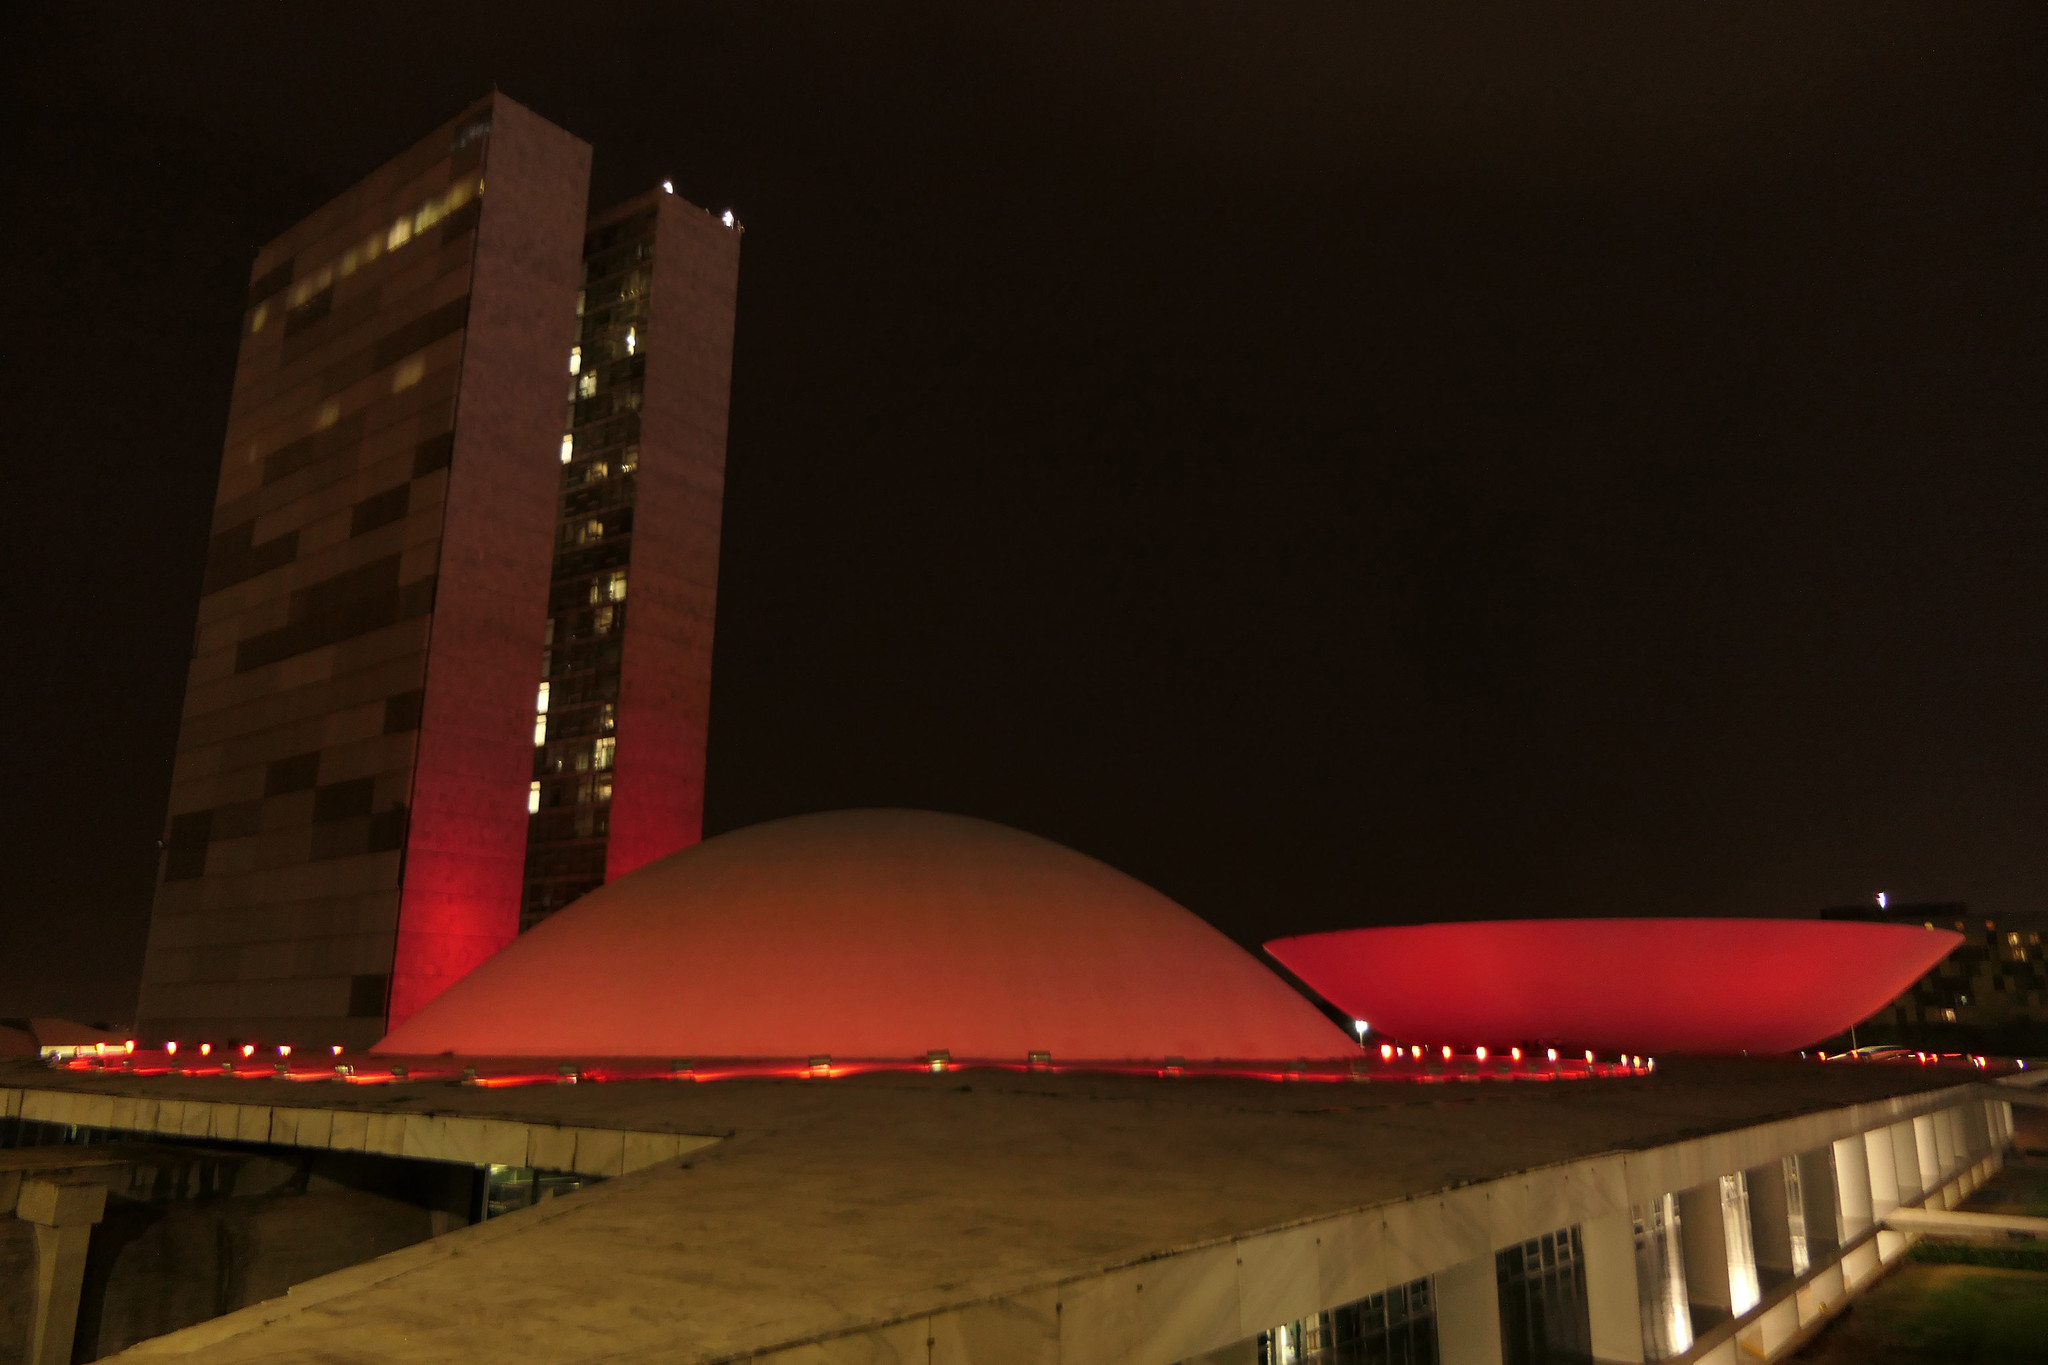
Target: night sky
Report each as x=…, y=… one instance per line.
x=1339, y=466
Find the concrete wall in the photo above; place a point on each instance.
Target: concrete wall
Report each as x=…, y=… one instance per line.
x=1207, y=1301
x=1210, y=1299
x=429, y=1137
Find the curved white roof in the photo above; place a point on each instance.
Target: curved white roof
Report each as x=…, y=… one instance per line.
x=874, y=934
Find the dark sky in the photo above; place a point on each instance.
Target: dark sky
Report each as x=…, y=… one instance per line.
x=1338, y=465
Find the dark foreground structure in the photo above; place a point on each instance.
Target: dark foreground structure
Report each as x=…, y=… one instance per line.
x=1710, y=1211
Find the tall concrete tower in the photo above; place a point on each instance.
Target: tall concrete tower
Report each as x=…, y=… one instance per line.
x=399, y=518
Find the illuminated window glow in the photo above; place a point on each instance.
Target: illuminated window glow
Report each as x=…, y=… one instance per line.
x=1743, y=1288
x=568, y=448
x=1660, y=1271
x=533, y=799
x=1795, y=1215
x=575, y=359
x=401, y=231
x=314, y=283
x=408, y=373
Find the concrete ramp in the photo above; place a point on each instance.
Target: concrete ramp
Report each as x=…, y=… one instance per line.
x=1976, y=1227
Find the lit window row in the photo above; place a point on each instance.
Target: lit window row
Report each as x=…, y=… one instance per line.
x=404, y=229
x=576, y=756
x=592, y=789
x=597, y=471
x=405, y=375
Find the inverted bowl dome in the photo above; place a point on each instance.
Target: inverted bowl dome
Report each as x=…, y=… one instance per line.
x=1635, y=985
x=873, y=934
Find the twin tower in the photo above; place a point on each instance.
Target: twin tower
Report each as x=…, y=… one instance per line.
x=453, y=660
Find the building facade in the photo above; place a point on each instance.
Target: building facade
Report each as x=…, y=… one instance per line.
x=1995, y=979
x=349, y=819
x=624, y=694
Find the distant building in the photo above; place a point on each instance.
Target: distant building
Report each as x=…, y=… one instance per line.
x=1996, y=978
x=355, y=786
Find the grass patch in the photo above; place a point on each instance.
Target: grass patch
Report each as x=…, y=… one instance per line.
x=1980, y=1253
x=2021, y=1190
x=1941, y=1314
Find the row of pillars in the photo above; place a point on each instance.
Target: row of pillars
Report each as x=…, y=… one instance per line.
x=1467, y=1300
x=1730, y=1240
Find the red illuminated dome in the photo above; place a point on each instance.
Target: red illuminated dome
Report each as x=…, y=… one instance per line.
x=873, y=934
x=1634, y=985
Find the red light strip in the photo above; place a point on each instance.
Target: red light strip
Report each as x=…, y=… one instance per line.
x=494, y=1073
